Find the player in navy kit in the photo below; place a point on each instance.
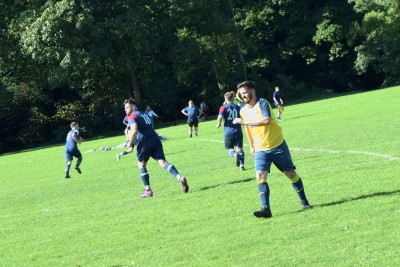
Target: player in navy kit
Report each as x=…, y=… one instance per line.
x=193, y=113
x=71, y=149
x=233, y=135
x=148, y=145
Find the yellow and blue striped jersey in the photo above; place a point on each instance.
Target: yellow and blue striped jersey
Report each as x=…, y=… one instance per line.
x=265, y=137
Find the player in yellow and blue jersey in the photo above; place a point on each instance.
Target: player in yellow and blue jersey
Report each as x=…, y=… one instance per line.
x=267, y=145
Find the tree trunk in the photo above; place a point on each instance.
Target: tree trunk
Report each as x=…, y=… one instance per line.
x=135, y=88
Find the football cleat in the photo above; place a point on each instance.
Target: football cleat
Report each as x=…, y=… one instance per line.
x=305, y=205
x=118, y=156
x=242, y=167
x=67, y=176
x=263, y=213
x=78, y=169
x=146, y=193
x=185, y=186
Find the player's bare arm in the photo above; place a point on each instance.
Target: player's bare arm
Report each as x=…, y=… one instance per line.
x=219, y=120
x=261, y=122
x=132, y=133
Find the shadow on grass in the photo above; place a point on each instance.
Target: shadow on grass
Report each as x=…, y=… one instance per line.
x=377, y=194
x=217, y=185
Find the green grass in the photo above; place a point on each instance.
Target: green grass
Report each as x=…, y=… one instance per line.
x=346, y=150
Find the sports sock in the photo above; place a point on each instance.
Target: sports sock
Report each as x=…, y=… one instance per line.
x=231, y=152
x=241, y=157
x=172, y=170
x=78, y=162
x=67, y=167
x=145, y=177
x=297, y=185
x=123, y=153
x=263, y=190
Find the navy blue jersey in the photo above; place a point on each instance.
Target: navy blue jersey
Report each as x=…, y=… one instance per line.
x=230, y=112
x=70, y=142
x=143, y=121
x=277, y=96
x=192, y=112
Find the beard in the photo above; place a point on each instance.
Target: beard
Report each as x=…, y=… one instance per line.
x=248, y=98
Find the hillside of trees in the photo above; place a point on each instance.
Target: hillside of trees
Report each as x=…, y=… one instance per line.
x=78, y=60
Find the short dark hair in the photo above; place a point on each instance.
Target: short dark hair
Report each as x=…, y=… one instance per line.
x=248, y=84
x=130, y=101
x=73, y=124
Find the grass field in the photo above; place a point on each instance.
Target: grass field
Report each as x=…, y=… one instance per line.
x=346, y=149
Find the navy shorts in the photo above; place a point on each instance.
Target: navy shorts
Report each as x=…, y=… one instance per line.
x=193, y=122
x=280, y=156
x=150, y=147
x=232, y=139
x=70, y=153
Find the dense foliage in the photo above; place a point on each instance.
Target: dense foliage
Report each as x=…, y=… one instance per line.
x=77, y=59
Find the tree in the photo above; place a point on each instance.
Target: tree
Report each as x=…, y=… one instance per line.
x=380, y=48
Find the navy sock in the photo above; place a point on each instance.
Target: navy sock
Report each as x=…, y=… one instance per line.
x=145, y=177
x=263, y=190
x=241, y=157
x=171, y=169
x=67, y=167
x=297, y=185
x=78, y=162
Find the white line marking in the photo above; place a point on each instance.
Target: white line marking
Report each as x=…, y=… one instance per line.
x=386, y=156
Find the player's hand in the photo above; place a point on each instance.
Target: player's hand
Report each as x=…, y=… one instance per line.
x=218, y=126
x=252, y=151
x=237, y=121
x=80, y=139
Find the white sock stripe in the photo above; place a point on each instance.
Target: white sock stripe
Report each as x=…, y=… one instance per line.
x=169, y=167
x=143, y=174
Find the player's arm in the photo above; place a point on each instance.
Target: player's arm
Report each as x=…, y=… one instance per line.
x=76, y=139
x=219, y=120
x=184, y=112
x=264, y=120
x=132, y=133
x=250, y=140
x=200, y=112
x=220, y=116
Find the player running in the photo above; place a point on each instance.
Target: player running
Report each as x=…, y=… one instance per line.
x=149, y=145
x=233, y=135
x=71, y=149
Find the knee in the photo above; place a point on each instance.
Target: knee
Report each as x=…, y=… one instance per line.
x=261, y=177
x=290, y=174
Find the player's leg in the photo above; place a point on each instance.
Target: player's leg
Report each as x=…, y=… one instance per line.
x=240, y=152
x=143, y=154
x=283, y=161
x=79, y=161
x=196, y=127
x=68, y=160
x=190, y=123
x=125, y=152
x=262, y=166
x=297, y=185
x=229, y=145
x=158, y=154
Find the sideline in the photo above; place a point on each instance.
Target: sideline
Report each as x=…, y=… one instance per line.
x=385, y=156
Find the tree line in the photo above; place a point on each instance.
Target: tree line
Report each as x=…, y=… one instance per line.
x=69, y=60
